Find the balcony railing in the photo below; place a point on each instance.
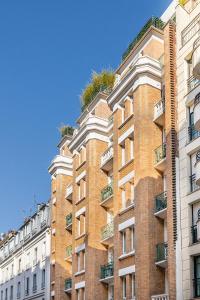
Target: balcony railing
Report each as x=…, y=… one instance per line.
x=159, y=108
x=193, y=133
x=107, y=231
x=161, y=252
x=155, y=22
x=160, y=153
x=190, y=30
x=194, y=234
x=196, y=283
x=160, y=297
x=69, y=251
x=68, y=284
x=107, y=270
x=69, y=220
x=160, y=202
x=107, y=155
x=107, y=192
x=193, y=186
x=192, y=83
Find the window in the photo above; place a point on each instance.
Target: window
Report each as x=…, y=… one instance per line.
x=44, y=250
x=78, y=262
x=132, y=238
x=34, y=283
x=1, y=295
x=12, y=270
x=81, y=224
x=78, y=294
x=83, y=260
x=35, y=256
x=124, y=287
x=19, y=265
x=132, y=286
x=11, y=292
x=123, y=155
x=197, y=276
x=6, y=294
x=27, y=286
x=124, y=242
x=18, y=290
x=43, y=278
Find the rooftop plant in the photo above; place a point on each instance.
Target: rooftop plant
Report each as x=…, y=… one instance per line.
x=182, y=2
x=99, y=83
x=153, y=21
x=66, y=130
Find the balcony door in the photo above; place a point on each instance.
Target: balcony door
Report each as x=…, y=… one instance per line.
x=197, y=276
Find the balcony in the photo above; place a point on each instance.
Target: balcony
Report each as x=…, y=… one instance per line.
x=160, y=297
x=152, y=22
x=192, y=83
x=159, y=110
x=107, y=233
x=193, y=185
x=197, y=168
x=69, y=222
x=161, y=255
x=68, y=285
x=107, y=272
x=193, y=133
x=107, y=160
x=107, y=196
x=196, y=58
x=197, y=112
x=161, y=205
x=196, y=283
x=69, y=192
x=160, y=158
x=69, y=253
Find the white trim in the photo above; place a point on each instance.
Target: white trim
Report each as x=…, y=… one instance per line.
x=126, y=178
x=61, y=165
x=80, y=285
x=126, y=224
x=81, y=176
x=80, y=248
x=80, y=212
x=126, y=134
x=126, y=271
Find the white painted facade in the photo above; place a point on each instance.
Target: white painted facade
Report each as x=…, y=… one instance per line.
x=25, y=260
x=188, y=192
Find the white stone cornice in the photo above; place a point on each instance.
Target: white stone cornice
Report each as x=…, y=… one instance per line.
x=93, y=128
x=61, y=165
x=146, y=70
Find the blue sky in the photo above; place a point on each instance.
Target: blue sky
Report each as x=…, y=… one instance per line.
x=48, y=49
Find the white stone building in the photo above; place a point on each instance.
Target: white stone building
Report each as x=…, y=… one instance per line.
x=188, y=168
x=24, y=259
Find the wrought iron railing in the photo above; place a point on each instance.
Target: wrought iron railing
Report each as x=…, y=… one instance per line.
x=192, y=83
x=107, y=270
x=107, y=192
x=193, y=133
x=155, y=22
x=107, y=231
x=69, y=251
x=161, y=252
x=68, y=284
x=69, y=219
x=160, y=153
x=161, y=202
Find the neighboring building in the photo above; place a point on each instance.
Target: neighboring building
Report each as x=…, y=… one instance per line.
x=113, y=201
x=188, y=95
x=24, y=259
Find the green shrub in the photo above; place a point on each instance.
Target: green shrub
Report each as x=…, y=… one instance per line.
x=99, y=83
x=66, y=130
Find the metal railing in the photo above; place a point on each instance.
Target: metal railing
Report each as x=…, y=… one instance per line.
x=107, y=192
x=193, y=133
x=160, y=297
x=161, y=252
x=192, y=82
x=161, y=202
x=68, y=284
x=107, y=231
x=160, y=153
x=69, y=251
x=106, y=156
x=193, y=186
x=107, y=270
x=69, y=219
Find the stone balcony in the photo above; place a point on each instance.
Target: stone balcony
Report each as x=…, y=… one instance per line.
x=107, y=159
x=160, y=297
x=69, y=192
x=160, y=157
x=107, y=233
x=159, y=110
